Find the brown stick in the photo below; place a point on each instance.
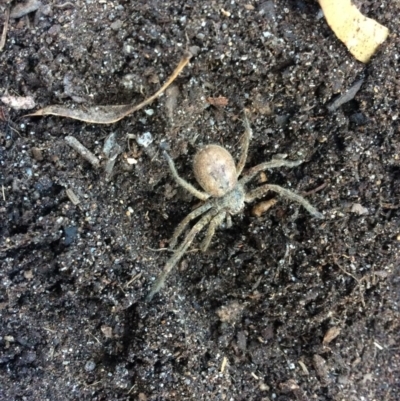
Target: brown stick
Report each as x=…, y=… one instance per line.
x=5, y=29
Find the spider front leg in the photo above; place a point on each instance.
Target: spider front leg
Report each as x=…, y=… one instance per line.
x=174, y=259
x=182, y=225
x=248, y=133
x=260, y=191
x=214, y=224
x=189, y=187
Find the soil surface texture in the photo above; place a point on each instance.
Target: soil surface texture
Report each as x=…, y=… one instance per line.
x=281, y=307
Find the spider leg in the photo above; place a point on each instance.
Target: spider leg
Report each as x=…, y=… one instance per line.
x=189, y=187
x=182, y=225
x=264, y=166
x=260, y=191
x=214, y=224
x=174, y=259
x=248, y=133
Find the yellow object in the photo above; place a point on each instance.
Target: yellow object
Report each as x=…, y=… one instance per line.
x=360, y=34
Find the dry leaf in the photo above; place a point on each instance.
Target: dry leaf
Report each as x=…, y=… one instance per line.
x=360, y=34
x=110, y=114
x=331, y=334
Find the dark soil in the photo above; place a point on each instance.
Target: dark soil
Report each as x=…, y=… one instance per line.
x=246, y=320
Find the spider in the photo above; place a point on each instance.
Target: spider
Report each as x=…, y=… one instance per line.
x=224, y=195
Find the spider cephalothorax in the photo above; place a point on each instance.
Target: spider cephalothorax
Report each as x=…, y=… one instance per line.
x=225, y=195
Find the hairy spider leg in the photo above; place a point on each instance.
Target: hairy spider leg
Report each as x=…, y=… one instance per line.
x=248, y=133
x=189, y=187
x=214, y=224
x=174, y=259
x=264, y=166
x=285, y=193
x=182, y=225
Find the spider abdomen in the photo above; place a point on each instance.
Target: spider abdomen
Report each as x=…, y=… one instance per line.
x=215, y=170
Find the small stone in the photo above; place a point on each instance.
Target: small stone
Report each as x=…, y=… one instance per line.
x=70, y=234
x=54, y=30
x=359, y=209
x=116, y=25
x=128, y=49
x=28, y=274
x=195, y=50
x=90, y=366
x=131, y=160
x=107, y=331
x=19, y=102
x=132, y=82
x=29, y=357
x=37, y=154
x=145, y=139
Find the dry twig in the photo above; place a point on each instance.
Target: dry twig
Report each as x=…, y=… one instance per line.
x=83, y=151
x=5, y=29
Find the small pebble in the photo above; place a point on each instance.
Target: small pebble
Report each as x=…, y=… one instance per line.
x=145, y=139
x=128, y=49
x=131, y=160
x=116, y=25
x=90, y=366
x=37, y=154
x=70, y=234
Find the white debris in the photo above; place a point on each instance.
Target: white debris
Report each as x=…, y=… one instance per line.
x=19, y=102
x=131, y=160
x=359, y=209
x=145, y=139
